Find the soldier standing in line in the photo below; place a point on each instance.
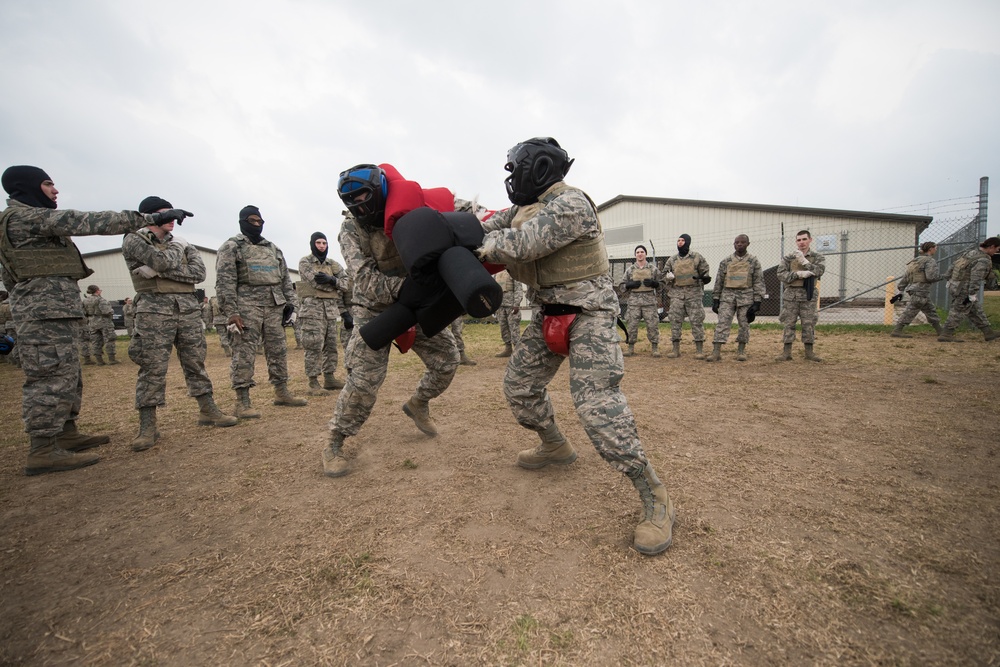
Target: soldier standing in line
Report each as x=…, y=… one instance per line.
x=41, y=267
x=100, y=324
x=739, y=291
x=321, y=299
x=128, y=313
x=456, y=331
x=82, y=339
x=206, y=314
x=967, y=275
x=219, y=322
x=800, y=270
x=639, y=284
x=256, y=295
x=921, y=272
x=551, y=239
x=686, y=273
x=165, y=268
x=509, y=314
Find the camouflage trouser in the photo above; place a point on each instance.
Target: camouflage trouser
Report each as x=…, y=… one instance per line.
x=345, y=338
x=82, y=339
x=53, y=383
x=102, y=336
x=297, y=331
x=510, y=324
x=799, y=310
x=919, y=303
x=973, y=310
x=596, y=368
x=319, y=337
x=727, y=310
x=366, y=370
x=223, y=332
x=646, y=312
x=456, y=331
x=262, y=325
x=689, y=305
x=155, y=336
x=130, y=326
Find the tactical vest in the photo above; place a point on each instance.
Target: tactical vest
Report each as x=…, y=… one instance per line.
x=90, y=307
x=305, y=288
x=797, y=265
x=915, y=271
x=643, y=274
x=214, y=303
x=260, y=265
x=49, y=256
x=506, y=282
x=580, y=260
x=159, y=284
x=685, y=271
x=738, y=274
x=962, y=270
x=382, y=249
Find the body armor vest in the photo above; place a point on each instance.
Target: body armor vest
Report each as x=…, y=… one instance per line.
x=915, y=271
x=305, y=288
x=962, y=270
x=159, y=284
x=383, y=250
x=260, y=265
x=645, y=273
x=685, y=271
x=738, y=274
x=50, y=256
x=506, y=282
x=794, y=266
x=580, y=260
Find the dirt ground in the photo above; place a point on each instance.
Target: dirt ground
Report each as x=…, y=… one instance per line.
x=841, y=513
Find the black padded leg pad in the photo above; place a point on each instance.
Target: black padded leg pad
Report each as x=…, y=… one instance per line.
x=471, y=283
x=388, y=324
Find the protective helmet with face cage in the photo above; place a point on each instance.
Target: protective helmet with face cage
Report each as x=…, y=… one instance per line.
x=363, y=189
x=535, y=165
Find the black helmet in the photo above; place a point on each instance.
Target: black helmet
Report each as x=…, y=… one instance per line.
x=363, y=189
x=534, y=165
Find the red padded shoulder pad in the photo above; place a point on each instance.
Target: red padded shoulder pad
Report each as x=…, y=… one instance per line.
x=405, y=196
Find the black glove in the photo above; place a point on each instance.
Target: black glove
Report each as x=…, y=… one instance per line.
x=286, y=315
x=326, y=279
x=348, y=320
x=632, y=284
x=753, y=310
x=706, y=279
x=715, y=306
x=967, y=301
x=171, y=215
x=896, y=298
x=649, y=282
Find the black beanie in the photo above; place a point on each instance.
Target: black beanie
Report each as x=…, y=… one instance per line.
x=24, y=184
x=252, y=232
x=312, y=246
x=640, y=246
x=153, y=204
x=687, y=245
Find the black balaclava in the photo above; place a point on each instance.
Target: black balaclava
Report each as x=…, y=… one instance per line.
x=153, y=204
x=687, y=245
x=321, y=256
x=252, y=232
x=24, y=184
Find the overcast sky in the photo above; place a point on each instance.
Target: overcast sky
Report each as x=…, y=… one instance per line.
x=862, y=105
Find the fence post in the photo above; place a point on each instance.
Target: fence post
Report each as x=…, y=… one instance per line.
x=890, y=287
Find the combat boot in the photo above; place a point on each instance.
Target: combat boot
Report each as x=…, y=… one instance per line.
x=334, y=463
x=810, y=355
x=655, y=532
x=284, y=397
x=210, y=414
x=100, y=360
x=939, y=329
x=88, y=361
x=315, y=389
x=656, y=351
x=990, y=334
x=463, y=359
x=553, y=449
x=227, y=350
x=630, y=352
x=949, y=337
x=112, y=360
x=147, y=430
x=243, y=408
x=675, y=350
x=716, y=352
x=897, y=332
x=786, y=353
x=44, y=455
x=741, y=352
x=699, y=352
x=73, y=441
x=419, y=411
x=330, y=381
x=506, y=352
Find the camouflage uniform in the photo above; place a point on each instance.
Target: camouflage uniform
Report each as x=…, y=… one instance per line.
x=219, y=322
x=795, y=304
x=642, y=302
x=687, y=298
x=7, y=327
x=82, y=338
x=736, y=299
x=47, y=311
x=128, y=312
x=509, y=315
x=260, y=306
x=921, y=273
x=318, y=314
x=206, y=313
x=166, y=316
x=966, y=276
x=100, y=326
x=345, y=333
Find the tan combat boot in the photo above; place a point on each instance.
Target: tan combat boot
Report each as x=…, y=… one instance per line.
x=315, y=389
x=334, y=463
x=419, y=411
x=463, y=359
x=656, y=351
x=716, y=352
x=655, y=532
x=990, y=334
x=786, y=353
x=100, y=360
x=553, y=449
x=44, y=455
x=73, y=441
x=284, y=397
x=506, y=352
x=210, y=414
x=330, y=381
x=88, y=361
x=112, y=360
x=147, y=430
x=897, y=332
x=630, y=352
x=810, y=355
x=675, y=349
x=949, y=337
x=741, y=352
x=699, y=349
x=243, y=408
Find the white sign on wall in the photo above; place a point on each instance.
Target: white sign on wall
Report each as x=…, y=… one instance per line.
x=826, y=244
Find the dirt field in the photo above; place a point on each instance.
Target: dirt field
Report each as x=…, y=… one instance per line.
x=828, y=514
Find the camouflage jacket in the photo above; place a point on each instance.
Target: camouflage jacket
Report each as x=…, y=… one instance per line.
x=744, y=295
x=55, y=297
x=970, y=272
x=313, y=307
x=786, y=275
x=513, y=291
x=97, y=309
x=232, y=294
x=175, y=261
x=569, y=217
x=647, y=296
x=701, y=269
x=923, y=267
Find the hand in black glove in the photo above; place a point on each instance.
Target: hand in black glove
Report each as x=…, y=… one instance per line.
x=632, y=284
x=326, y=279
x=286, y=315
x=715, y=306
x=967, y=301
x=171, y=215
x=706, y=279
x=348, y=320
x=752, y=311
x=896, y=298
x=649, y=282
